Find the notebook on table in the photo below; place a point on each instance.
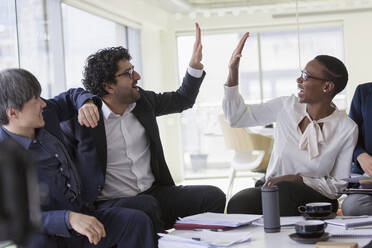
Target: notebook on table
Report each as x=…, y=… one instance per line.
x=215, y=221
x=349, y=222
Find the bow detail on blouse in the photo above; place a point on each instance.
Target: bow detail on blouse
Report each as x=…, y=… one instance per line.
x=311, y=138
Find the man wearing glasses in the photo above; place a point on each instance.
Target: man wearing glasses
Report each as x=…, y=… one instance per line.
x=122, y=156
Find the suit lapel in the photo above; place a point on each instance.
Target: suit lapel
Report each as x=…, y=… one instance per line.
x=143, y=113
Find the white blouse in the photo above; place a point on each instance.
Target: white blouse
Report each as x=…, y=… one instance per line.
x=321, y=156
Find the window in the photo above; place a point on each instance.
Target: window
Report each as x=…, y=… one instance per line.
x=269, y=69
x=31, y=38
x=85, y=34
x=8, y=35
x=24, y=43
x=34, y=42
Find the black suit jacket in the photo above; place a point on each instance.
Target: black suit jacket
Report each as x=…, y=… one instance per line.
x=90, y=143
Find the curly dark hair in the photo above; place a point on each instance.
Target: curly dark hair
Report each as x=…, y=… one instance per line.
x=101, y=68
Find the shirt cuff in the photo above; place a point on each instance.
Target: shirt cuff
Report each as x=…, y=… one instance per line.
x=67, y=220
x=231, y=92
x=196, y=73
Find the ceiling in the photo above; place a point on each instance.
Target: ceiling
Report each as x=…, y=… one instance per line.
x=190, y=6
x=237, y=3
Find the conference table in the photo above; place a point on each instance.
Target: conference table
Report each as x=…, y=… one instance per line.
x=260, y=239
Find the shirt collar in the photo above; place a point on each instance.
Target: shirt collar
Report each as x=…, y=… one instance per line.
x=106, y=111
x=301, y=113
x=24, y=141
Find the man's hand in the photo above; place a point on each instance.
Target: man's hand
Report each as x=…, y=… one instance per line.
x=88, y=114
x=196, y=57
x=365, y=161
x=233, y=77
x=88, y=226
x=290, y=178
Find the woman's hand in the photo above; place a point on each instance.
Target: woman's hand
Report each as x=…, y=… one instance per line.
x=233, y=78
x=289, y=178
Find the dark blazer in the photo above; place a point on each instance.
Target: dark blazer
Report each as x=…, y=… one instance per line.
x=90, y=143
x=61, y=108
x=360, y=112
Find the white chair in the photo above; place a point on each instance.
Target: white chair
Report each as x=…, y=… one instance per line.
x=251, y=151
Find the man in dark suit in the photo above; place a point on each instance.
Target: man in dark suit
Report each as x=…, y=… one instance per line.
x=122, y=157
x=67, y=219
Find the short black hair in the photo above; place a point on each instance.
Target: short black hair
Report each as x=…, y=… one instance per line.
x=18, y=86
x=101, y=68
x=336, y=71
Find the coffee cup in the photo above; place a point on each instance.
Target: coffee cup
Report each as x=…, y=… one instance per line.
x=310, y=228
x=316, y=209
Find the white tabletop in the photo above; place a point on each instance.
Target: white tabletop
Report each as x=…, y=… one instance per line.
x=280, y=239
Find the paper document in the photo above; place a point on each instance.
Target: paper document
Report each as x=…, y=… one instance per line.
x=218, y=219
x=351, y=233
x=204, y=238
x=352, y=221
x=354, y=178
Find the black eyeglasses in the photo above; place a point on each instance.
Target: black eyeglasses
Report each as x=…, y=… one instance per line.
x=129, y=73
x=305, y=76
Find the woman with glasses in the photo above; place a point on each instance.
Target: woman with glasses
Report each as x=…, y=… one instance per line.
x=313, y=140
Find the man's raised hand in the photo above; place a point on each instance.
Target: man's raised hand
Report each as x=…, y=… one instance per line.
x=196, y=57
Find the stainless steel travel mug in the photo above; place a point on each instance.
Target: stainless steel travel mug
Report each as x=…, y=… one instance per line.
x=270, y=208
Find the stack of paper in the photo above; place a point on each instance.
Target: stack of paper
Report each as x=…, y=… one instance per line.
x=356, y=233
x=203, y=238
x=215, y=221
x=351, y=221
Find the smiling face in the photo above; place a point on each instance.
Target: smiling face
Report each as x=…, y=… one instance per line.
x=125, y=91
x=31, y=114
x=313, y=88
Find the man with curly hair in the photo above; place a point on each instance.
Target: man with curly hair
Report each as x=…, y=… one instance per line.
x=124, y=164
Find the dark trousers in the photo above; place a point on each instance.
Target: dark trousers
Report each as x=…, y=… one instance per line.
x=181, y=201
x=164, y=204
x=124, y=228
x=291, y=195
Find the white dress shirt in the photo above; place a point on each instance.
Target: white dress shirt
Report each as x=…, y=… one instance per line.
x=128, y=169
x=322, y=156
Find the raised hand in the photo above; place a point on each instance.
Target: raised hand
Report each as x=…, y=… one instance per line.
x=233, y=77
x=88, y=114
x=88, y=226
x=196, y=57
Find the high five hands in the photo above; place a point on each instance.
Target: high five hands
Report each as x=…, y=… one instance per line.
x=196, y=57
x=233, y=77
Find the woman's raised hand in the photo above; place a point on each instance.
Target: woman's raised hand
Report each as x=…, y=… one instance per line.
x=233, y=78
